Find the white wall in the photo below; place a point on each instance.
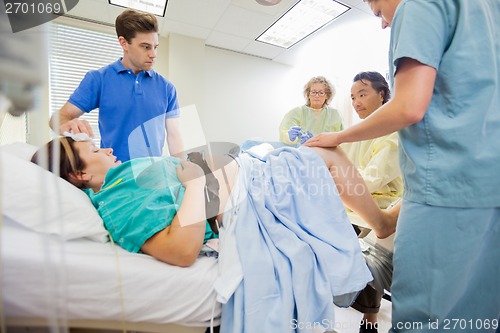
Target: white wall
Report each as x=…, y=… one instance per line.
x=232, y=97
x=227, y=96
x=246, y=97
x=342, y=52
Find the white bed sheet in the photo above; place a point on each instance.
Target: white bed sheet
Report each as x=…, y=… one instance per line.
x=45, y=277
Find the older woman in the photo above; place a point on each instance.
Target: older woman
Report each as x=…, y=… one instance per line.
x=313, y=118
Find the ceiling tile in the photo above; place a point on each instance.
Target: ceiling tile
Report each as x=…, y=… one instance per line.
x=97, y=10
x=351, y=3
x=228, y=24
x=114, y=11
x=263, y=50
x=365, y=8
x=184, y=29
x=227, y=41
x=275, y=11
x=205, y=13
x=244, y=23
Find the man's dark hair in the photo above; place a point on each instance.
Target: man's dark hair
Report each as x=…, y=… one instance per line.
x=130, y=22
x=377, y=81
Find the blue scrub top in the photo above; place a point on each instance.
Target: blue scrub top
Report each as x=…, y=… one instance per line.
x=451, y=158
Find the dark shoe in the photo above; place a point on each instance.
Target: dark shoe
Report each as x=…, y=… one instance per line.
x=367, y=327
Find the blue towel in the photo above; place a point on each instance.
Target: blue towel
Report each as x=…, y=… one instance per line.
x=297, y=248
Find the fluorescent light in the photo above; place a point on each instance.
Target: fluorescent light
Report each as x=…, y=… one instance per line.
x=156, y=7
x=304, y=18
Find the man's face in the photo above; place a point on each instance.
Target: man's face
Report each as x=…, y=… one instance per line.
x=365, y=99
x=384, y=9
x=140, y=53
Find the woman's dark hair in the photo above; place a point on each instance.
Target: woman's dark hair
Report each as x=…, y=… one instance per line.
x=130, y=22
x=377, y=81
x=69, y=160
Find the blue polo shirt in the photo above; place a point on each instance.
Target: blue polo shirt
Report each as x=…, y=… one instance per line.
x=132, y=108
x=451, y=157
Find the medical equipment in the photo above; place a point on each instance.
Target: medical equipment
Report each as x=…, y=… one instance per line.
x=19, y=69
x=304, y=136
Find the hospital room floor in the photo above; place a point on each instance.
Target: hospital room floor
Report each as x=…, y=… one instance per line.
x=347, y=319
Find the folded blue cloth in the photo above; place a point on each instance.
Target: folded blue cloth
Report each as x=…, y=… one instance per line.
x=298, y=251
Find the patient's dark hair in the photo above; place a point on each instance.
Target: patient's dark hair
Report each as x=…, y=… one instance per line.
x=377, y=81
x=130, y=22
x=69, y=160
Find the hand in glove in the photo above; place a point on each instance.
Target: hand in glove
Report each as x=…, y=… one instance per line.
x=305, y=136
x=294, y=132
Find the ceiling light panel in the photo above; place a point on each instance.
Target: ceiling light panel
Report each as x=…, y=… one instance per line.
x=304, y=18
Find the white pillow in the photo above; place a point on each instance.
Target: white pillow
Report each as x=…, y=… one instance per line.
x=44, y=202
x=20, y=149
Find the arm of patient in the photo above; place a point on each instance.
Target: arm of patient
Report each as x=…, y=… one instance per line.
x=179, y=244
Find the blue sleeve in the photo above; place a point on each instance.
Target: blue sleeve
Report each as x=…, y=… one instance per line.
x=420, y=31
x=87, y=96
x=172, y=102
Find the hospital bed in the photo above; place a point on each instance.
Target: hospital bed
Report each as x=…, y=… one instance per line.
x=56, y=268
x=48, y=280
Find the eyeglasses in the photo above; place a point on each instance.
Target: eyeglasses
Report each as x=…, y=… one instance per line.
x=317, y=93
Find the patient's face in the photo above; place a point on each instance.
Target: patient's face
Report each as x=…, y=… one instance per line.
x=365, y=99
x=97, y=161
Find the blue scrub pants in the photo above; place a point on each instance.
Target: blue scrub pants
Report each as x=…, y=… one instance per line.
x=446, y=269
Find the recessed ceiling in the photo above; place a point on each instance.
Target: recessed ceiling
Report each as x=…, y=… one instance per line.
x=228, y=24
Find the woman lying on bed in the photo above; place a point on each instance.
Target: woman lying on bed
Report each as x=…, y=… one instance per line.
x=156, y=205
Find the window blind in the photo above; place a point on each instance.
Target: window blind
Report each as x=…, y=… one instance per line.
x=73, y=52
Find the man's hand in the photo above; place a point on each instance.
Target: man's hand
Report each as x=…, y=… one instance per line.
x=325, y=140
x=76, y=126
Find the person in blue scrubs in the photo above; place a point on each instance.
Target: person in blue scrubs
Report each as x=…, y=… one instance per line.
x=445, y=71
x=137, y=106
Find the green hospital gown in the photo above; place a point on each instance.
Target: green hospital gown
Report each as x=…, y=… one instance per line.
x=140, y=198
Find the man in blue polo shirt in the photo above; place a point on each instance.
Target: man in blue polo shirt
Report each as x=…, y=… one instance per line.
x=136, y=104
